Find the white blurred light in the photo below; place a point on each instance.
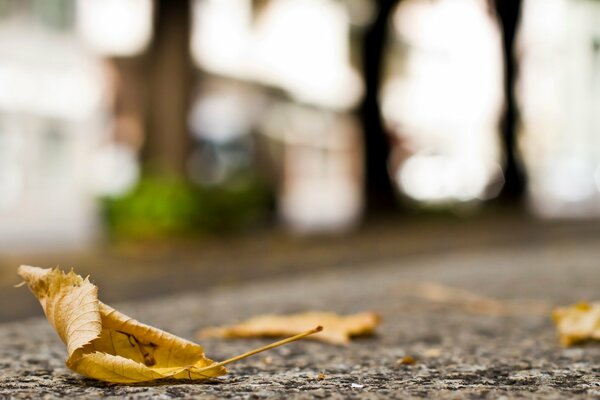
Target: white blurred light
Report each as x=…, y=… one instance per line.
x=447, y=99
x=115, y=27
x=321, y=204
x=221, y=35
x=52, y=111
x=114, y=170
x=71, y=94
x=301, y=46
x=11, y=184
x=597, y=177
x=72, y=91
x=559, y=93
x=438, y=179
x=570, y=180
x=454, y=73
x=322, y=168
x=221, y=117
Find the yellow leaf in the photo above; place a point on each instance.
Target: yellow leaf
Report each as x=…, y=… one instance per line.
x=577, y=323
x=337, y=329
x=104, y=344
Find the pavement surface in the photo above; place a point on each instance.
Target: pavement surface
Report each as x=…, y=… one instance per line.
x=460, y=352
x=129, y=271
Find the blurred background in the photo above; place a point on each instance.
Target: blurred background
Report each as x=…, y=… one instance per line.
x=220, y=141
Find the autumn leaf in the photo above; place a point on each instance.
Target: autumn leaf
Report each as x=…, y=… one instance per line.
x=104, y=344
x=577, y=323
x=337, y=329
x=464, y=300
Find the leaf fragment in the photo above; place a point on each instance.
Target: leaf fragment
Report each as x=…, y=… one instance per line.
x=577, y=323
x=337, y=329
x=106, y=345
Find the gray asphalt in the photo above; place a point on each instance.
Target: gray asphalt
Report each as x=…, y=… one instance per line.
x=458, y=354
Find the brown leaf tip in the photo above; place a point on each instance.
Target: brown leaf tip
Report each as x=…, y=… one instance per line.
x=319, y=328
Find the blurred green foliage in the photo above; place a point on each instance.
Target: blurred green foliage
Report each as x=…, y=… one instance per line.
x=160, y=206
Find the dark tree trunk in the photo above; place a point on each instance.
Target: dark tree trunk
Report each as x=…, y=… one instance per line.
x=169, y=79
x=508, y=14
x=378, y=186
x=129, y=100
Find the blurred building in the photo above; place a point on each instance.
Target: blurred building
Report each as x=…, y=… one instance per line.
x=59, y=149
x=53, y=112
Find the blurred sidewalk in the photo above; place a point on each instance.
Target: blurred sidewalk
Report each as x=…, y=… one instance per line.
x=458, y=354
x=148, y=269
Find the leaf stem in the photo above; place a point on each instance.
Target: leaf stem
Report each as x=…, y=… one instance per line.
x=264, y=348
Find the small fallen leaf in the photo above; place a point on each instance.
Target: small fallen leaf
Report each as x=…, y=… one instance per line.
x=432, y=352
x=577, y=323
x=461, y=299
x=338, y=329
x=267, y=360
x=407, y=360
x=321, y=376
x=104, y=344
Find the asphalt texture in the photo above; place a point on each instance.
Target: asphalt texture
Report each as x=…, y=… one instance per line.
x=459, y=352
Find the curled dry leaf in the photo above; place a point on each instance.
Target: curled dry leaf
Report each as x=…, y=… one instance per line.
x=337, y=329
x=577, y=323
x=104, y=344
